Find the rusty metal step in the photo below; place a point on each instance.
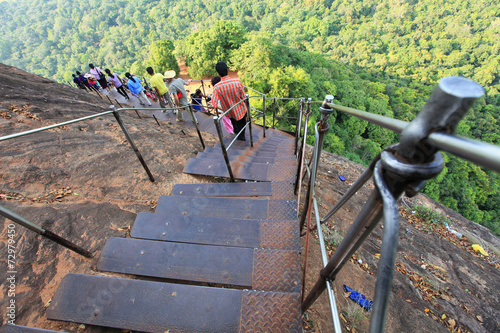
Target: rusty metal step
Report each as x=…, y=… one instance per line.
x=161, y=307
x=241, y=170
x=267, y=234
x=255, y=209
x=249, y=159
x=276, y=140
x=276, y=190
x=268, y=147
x=239, y=152
x=237, y=266
x=9, y=328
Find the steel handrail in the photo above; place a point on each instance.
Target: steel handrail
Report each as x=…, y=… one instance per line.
x=41, y=129
x=481, y=153
x=408, y=165
x=258, y=92
x=320, y=130
x=231, y=108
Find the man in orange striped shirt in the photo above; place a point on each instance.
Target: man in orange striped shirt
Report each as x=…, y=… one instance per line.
x=229, y=92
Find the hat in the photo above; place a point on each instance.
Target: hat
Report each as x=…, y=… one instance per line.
x=169, y=74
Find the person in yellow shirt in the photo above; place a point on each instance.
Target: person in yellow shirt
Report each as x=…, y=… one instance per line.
x=159, y=85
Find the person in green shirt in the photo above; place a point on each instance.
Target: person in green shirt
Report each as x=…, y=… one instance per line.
x=161, y=89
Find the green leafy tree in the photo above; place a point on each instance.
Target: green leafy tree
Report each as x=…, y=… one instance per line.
x=161, y=56
x=203, y=49
x=290, y=82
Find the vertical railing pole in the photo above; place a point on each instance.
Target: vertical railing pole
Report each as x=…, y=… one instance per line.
x=249, y=119
x=321, y=128
x=264, y=115
x=156, y=120
x=274, y=110
x=190, y=110
x=301, y=157
x=223, y=147
x=129, y=138
x=43, y=232
x=204, y=94
x=109, y=99
x=298, y=124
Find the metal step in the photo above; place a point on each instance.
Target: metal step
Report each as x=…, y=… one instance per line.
x=245, y=267
x=249, y=159
x=241, y=170
x=161, y=307
x=256, y=209
x=217, y=231
x=239, y=152
x=273, y=141
x=266, y=147
x=276, y=190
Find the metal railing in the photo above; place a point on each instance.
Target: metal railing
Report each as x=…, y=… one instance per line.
x=217, y=121
x=403, y=167
x=253, y=114
x=50, y=235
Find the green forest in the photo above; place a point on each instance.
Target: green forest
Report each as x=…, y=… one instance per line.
x=383, y=57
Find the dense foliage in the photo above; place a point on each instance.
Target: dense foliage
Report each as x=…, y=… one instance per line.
x=379, y=56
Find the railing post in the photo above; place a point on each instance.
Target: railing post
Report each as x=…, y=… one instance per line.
x=249, y=119
x=223, y=147
x=301, y=157
x=405, y=166
x=190, y=110
x=264, y=115
x=45, y=233
x=129, y=138
x=274, y=110
x=298, y=124
x=321, y=128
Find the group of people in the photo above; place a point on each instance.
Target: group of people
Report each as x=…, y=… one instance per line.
x=96, y=80
x=227, y=92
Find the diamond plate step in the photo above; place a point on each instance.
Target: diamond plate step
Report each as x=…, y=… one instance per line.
x=249, y=159
x=260, y=269
x=262, y=142
x=241, y=170
x=266, y=147
x=257, y=209
x=267, y=234
x=161, y=307
x=276, y=190
x=239, y=152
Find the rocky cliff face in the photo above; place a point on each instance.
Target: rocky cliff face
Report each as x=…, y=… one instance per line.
x=84, y=182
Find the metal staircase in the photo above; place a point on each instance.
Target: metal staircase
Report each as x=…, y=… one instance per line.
x=215, y=257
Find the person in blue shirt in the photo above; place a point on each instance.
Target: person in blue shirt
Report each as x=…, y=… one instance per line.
x=136, y=89
x=197, y=101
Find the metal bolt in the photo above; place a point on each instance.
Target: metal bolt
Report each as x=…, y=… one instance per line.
x=142, y=252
